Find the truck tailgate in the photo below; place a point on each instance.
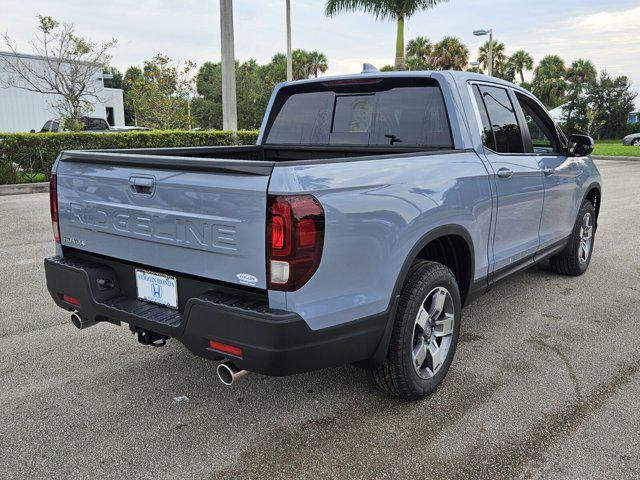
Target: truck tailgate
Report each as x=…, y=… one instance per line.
x=204, y=218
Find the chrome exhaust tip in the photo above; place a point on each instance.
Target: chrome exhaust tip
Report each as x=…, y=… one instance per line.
x=229, y=373
x=81, y=323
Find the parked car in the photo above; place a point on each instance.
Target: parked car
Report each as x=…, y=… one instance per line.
x=91, y=124
x=372, y=209
x=633, y=139
x=122, y=128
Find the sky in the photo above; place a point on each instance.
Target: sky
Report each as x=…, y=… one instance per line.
x=607, y=33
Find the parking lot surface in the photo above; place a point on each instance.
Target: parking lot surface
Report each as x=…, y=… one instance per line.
x=545, y=384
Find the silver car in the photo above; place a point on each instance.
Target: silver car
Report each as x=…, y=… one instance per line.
x=633, y=139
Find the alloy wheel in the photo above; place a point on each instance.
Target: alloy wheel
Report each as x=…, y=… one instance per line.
x=586, y=238
x=432, y=332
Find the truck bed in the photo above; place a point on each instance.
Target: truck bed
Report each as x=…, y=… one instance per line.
x=232, y=158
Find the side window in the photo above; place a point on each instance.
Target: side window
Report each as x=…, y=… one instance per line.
x=540, y=128
x=55, y=126
x=47, y=126
x=502, y=116
x=488, y=138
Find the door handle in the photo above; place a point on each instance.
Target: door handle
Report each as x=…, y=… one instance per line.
x=142, y=185
x=549, y=171
x=505, y=173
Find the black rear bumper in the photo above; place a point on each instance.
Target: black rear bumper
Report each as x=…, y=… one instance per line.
x=273, y=342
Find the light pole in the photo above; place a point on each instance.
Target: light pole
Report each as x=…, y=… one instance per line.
x=480, y=33
x=289, y=54
x=229, y=107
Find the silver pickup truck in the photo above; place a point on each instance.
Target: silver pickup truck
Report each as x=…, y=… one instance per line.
x=371, y=210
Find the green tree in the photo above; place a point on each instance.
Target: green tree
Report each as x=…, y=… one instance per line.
x=549, y=83
x=611, y=100
x=521, y=61
x=419, y=52
x=398, y=10
x=161, y=95
x=580, y=74
x=450, y=54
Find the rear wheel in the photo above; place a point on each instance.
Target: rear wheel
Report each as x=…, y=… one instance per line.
x=636, y=142
x=425, y=333
x=575, y=258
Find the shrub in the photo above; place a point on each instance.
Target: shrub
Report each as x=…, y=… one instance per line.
x=25, y=155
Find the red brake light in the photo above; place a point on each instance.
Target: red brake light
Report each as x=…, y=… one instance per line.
x=295, y=237
x=53, y=206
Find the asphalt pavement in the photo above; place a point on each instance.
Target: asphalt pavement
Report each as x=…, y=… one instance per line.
x=545, y=384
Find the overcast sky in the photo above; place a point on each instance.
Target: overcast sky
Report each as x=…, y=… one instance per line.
x=607, y=32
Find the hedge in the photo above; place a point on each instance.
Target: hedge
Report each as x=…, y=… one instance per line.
x=25, y=157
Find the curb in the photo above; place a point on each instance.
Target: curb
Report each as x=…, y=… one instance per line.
x=620, y=159
x=20, y=188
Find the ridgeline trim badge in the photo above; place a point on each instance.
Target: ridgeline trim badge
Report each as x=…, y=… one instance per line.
x=74, y=241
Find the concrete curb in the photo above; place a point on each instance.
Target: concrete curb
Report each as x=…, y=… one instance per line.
x=620, y=159
x=19, y=188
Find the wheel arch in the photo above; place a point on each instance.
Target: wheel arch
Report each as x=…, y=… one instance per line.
x=439, y=234
x=593, y=193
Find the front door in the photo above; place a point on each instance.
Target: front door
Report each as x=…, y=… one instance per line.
x=560, y=172
x=518, y=179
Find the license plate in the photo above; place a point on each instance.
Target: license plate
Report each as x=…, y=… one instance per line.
x=157, y=288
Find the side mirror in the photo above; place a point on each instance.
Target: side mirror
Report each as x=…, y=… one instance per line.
x=580, y=145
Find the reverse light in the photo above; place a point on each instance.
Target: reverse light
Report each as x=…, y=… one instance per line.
x=53, y=206
x=295, y=237
x=225, y=348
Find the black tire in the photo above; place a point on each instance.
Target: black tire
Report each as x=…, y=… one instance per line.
x=636, y=142
x=397, y=375
x=568, y=262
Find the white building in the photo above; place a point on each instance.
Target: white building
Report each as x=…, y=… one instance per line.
x=22, y=110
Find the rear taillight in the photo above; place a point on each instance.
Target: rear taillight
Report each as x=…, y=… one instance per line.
x=53, y=206
x=295, y=235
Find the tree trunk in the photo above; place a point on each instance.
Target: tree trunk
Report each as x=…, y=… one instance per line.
x=521, y=77
x=399, y=64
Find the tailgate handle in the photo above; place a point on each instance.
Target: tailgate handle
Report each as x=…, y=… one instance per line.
x=142, y=185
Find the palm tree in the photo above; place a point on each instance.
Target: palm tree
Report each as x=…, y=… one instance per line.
x=317, y=63
x=498, y=54
x=450, y=54
x=522, y=61
x=398, y=10
x=549, y=83
x=581, y=72
x=419, y=53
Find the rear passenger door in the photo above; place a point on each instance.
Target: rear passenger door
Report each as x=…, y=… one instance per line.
x=518, y=178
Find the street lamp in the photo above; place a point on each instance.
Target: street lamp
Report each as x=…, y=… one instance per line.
x=480, y=33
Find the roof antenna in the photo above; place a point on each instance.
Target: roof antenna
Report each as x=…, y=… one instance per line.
x=368, y=68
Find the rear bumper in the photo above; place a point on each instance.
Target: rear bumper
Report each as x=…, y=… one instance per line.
x=273, y=342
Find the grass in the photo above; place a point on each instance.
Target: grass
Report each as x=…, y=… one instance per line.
x=37, y=177
x=614, y=148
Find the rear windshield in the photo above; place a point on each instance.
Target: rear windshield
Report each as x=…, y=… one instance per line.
x=398, y=112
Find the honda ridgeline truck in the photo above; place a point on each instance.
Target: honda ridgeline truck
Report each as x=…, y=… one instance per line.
x=371, y=210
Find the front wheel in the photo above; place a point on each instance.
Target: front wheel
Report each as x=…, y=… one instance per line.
x=636, y=142
x=575, y=258
x=425, y=333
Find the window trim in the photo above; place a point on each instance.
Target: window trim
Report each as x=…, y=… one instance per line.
x=516, y=108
